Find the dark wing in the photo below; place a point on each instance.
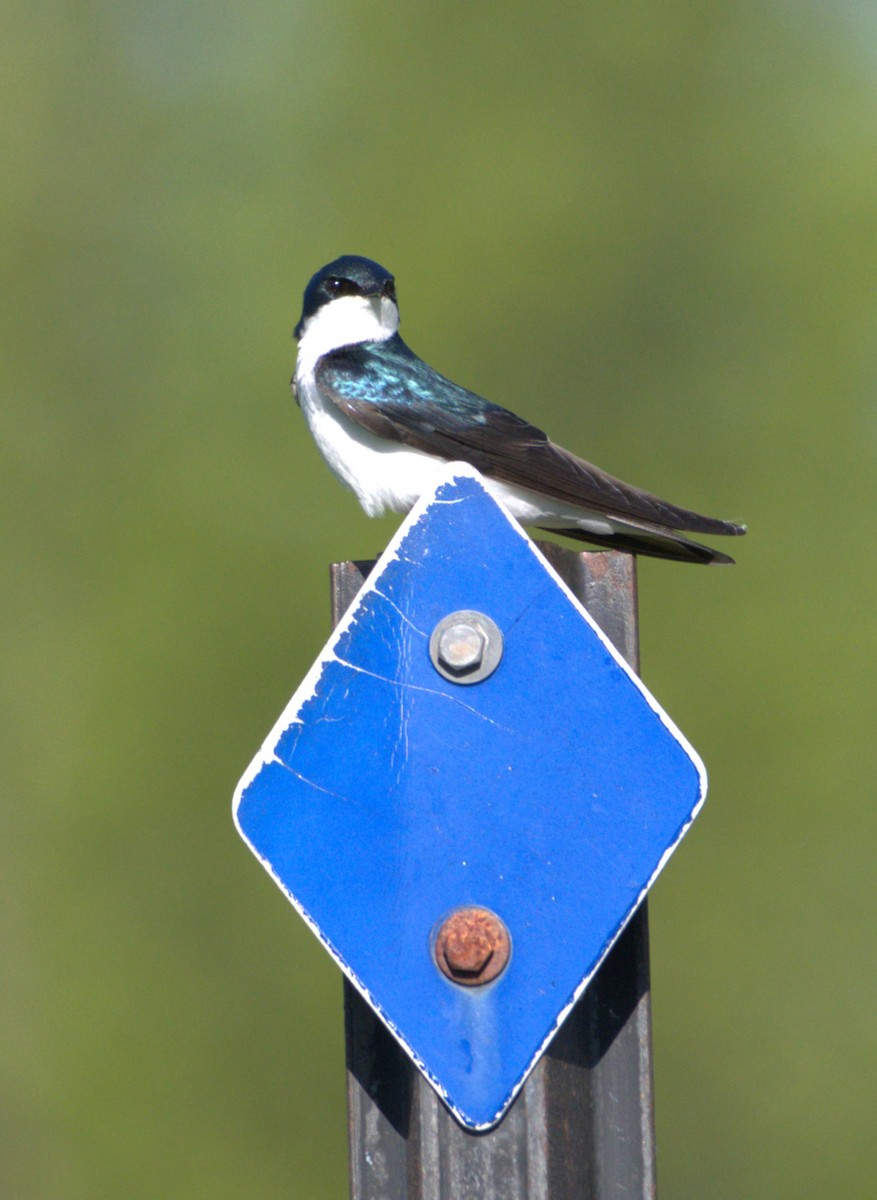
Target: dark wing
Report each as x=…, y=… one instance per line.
x=463, y=426
x=655, y=540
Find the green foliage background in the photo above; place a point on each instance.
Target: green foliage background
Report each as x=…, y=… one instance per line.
x=651, y=226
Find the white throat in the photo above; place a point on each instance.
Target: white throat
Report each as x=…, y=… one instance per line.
x=345, y=322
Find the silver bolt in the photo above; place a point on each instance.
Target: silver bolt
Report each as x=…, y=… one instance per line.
x=465, y=647
x=461, y=647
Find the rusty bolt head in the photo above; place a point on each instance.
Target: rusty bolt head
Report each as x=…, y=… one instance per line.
x=461, y=647
x=472, y=946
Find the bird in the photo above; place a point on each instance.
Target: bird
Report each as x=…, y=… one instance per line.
x=388, y=424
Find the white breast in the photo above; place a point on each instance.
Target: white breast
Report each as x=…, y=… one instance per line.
x=384, y=475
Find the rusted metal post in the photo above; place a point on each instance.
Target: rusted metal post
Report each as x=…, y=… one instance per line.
x=582, y=1128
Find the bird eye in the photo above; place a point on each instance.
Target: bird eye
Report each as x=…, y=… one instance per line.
x=342, y=287
x=389, y=289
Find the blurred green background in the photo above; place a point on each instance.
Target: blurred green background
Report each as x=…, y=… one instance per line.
x=651, y=227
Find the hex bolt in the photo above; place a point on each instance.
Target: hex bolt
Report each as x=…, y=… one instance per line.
x=465, y=647
x=461, y=647
x=472, y=946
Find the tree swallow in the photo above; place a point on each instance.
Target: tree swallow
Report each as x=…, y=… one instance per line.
x=387, y=423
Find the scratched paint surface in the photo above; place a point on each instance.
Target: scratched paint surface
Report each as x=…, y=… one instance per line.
x=551, y=793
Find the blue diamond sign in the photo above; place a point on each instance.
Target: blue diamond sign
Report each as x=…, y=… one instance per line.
x=395, y=789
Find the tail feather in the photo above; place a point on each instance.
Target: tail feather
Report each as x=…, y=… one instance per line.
x=657, y=544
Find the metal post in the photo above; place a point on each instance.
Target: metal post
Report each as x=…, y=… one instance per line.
x=582, y=1128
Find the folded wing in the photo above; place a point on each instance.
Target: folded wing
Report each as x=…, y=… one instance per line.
x=496, y=442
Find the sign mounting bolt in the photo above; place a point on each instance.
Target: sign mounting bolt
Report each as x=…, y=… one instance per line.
x=465, y=647
x=472, y=946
